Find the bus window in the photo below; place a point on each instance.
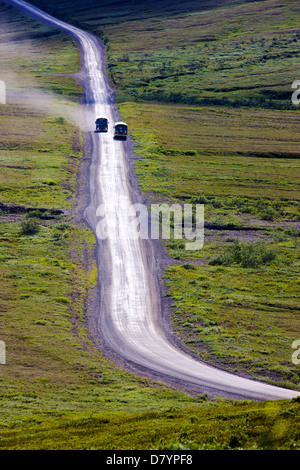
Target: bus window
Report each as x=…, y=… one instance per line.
x=101, y=125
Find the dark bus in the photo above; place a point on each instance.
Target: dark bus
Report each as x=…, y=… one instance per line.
x=121, y=130
x=101, y=125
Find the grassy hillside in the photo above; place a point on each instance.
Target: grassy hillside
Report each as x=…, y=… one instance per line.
x=197, y=52
x=211, y=426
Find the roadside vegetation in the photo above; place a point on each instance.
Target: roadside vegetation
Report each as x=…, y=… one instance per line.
x=210, y=426
x=234, y=303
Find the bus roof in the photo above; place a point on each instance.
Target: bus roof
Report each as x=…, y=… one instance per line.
x=120, y=123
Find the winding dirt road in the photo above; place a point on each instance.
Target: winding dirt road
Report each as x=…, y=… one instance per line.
x=129, y=312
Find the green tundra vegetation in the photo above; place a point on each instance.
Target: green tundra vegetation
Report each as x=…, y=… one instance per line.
x=205, y=87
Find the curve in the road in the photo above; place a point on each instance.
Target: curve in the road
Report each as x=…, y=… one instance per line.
x=130, y=298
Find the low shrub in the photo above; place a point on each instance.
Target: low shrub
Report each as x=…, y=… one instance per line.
x=247, y=255
x=269, y=214
x=49, y=182
x=188, y=266
x=35, y=214
x=199, y=199
x=30, y=227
